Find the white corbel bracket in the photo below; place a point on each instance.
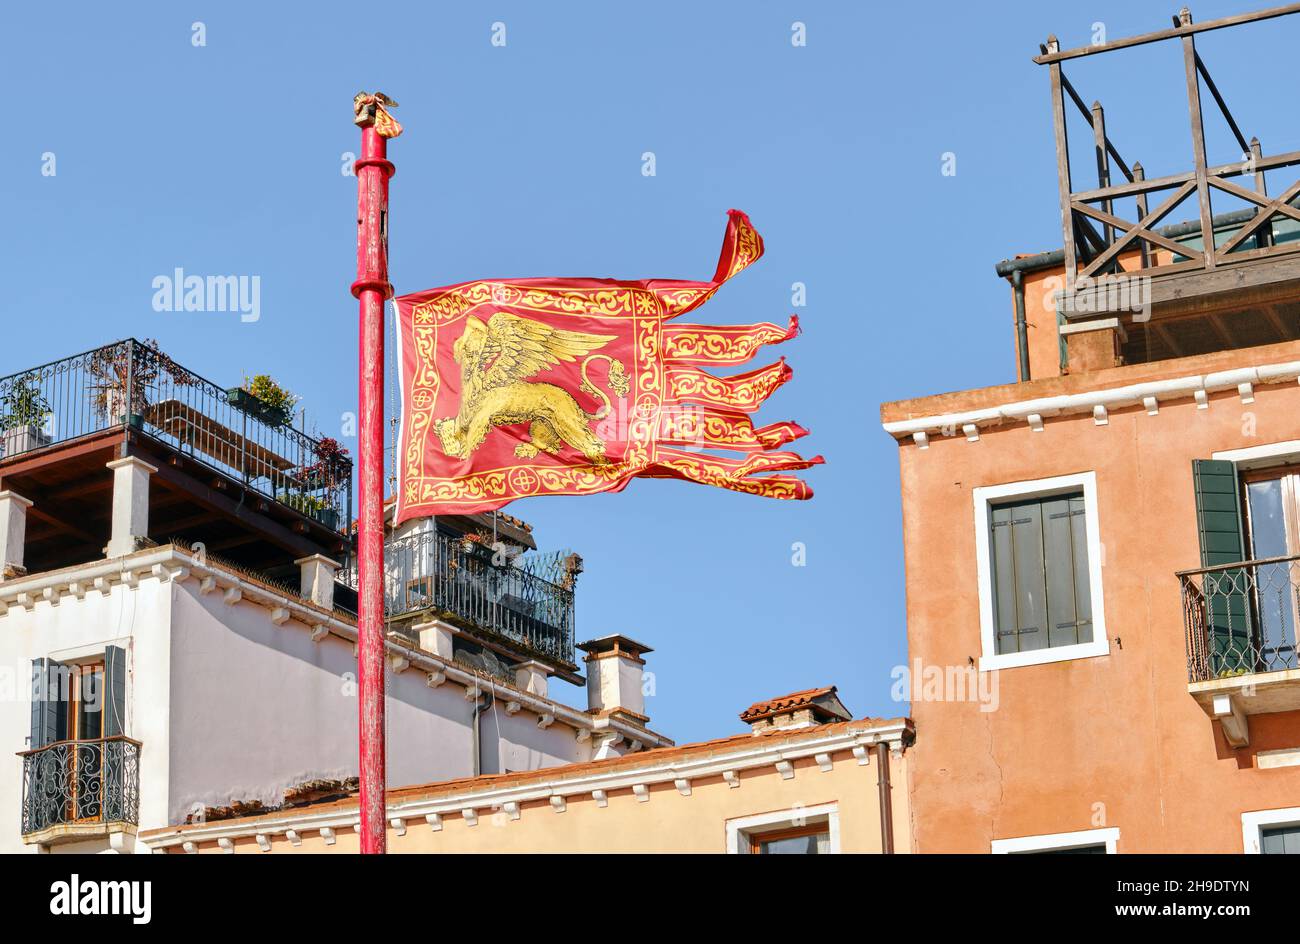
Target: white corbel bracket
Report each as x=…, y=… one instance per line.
x=1233, y=721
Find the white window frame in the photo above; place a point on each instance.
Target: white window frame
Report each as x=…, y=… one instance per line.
x=983, y=497
x=1253, y=823
x=1108, y=836
x=742, y=829
x=1261, y=457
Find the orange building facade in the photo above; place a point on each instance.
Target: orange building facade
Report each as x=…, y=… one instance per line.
x=1107, y=552
x=1114, y=735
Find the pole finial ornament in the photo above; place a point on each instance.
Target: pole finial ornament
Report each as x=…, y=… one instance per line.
x=372, y=109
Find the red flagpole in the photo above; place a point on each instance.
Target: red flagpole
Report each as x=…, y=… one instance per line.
x=371, y=289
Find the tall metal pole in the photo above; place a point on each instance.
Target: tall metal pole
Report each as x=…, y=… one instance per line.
x=371, y=289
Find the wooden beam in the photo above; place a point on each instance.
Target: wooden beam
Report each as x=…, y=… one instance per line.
x=1223, y=106
x=47, y=518
x=237, y=541
x=1052, y=57
x=1140, y=229
x=268, y=528
x=1275, y=319
x=1269, y=208
x=1198, y=143
x=1221, y=331
x=52, y=455
x=190, y=521
x=1063, y=174
x=1167, y=337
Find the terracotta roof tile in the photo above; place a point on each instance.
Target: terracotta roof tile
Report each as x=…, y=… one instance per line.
x=761, y=709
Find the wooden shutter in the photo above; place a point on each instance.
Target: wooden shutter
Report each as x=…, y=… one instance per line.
x=1280, y=840
x=114, y=691
x=1065, y=551
x=1019, y=592
x=45, y=703
x=1218, y=525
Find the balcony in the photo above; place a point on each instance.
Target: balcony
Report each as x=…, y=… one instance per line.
x=525, y=602
x=1207, y=255
x=1240, y=622
x=233, y=473
x=74, y=790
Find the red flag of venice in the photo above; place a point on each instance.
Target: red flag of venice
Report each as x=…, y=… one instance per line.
x=520, y=387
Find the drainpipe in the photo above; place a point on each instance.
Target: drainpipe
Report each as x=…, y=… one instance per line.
x=886, y=806
x=1022, y=327
x=474, y=732
x=482, y=703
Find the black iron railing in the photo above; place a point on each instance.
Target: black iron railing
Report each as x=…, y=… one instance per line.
x=93, y=782
x=1241, y=618
x=132, y=383
x=481, y=586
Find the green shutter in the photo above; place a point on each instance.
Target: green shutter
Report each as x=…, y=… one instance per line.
x=1218, y=525
x=114, y=691
x=45, y=716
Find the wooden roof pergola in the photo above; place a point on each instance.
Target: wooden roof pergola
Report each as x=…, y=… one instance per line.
x=1099, y=244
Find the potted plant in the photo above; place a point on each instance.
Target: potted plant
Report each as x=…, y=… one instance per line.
x=139, y=363
x=331, y=466
x=263, y=397
x=23, y=412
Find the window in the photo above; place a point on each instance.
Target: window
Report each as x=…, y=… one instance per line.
x=1272, y=506
x=1094, y=841
x=1248, y=509
x=806, y=840
x=1038, y=552
x=1271, y=832
x=812, y=830
x=1280, y=840
x=82, y=700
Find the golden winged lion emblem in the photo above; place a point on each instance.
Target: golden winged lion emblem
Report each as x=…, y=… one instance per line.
x=496, y=359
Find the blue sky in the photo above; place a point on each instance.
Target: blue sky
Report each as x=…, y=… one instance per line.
x=526, y=161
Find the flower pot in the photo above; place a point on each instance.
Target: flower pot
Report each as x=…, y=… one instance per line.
x=22, y=439
x=242, y=400
x=328, y=517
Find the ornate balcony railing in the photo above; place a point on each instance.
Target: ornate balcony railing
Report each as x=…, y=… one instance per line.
x=227, y=431
x=81, y=784
x=1241, y=618
x=469, y=582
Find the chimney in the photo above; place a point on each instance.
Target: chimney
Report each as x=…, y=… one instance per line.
x=615, y=670
x=796, y=710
